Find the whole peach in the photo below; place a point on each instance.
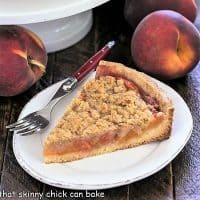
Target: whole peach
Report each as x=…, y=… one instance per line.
x=23, y=59
x=166, y=45
x=135, y=11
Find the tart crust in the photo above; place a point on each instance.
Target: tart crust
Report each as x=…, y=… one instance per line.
x=159, y=129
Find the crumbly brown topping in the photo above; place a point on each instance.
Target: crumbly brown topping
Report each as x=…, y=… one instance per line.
x=102, y=105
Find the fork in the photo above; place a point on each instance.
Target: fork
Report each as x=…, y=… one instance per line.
x=39, y=120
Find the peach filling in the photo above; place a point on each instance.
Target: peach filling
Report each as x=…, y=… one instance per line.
x=81, y=145
x=118, y=136
x=147, y=98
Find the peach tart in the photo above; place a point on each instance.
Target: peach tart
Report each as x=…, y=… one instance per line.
x=121, y=108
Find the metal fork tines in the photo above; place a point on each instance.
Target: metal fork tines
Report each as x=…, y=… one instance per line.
x=30, y=124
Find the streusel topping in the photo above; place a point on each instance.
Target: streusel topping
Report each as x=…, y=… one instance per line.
x=102, y=105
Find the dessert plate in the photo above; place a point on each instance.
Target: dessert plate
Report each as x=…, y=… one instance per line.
x=103, y=171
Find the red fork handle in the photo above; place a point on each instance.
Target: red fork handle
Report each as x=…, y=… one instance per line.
x=92, y=63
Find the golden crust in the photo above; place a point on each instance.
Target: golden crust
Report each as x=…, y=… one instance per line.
x=155, y=133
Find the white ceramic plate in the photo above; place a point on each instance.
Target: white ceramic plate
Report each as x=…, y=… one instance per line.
x=104, y=171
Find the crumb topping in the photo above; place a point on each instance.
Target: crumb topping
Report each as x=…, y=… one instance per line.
x=103, y=104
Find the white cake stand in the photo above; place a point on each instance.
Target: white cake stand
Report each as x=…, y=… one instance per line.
x=59, y=23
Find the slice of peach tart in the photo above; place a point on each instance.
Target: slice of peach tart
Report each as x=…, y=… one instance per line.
x=121, y=108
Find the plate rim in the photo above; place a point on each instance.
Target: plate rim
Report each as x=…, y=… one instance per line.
x=76, y=186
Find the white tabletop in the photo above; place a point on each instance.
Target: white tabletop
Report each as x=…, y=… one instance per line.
x=33, y=11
